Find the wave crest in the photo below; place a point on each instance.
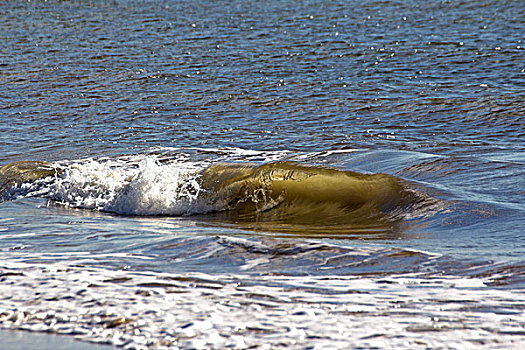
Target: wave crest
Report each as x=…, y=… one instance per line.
x=280, y=196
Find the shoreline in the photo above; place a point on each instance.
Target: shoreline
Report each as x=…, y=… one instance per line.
x=14, y=339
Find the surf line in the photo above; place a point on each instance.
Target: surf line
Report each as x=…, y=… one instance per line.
x=258, y=187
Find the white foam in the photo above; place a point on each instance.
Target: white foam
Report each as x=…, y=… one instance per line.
x=160, y=189
x=143, y=310
x=141, y=187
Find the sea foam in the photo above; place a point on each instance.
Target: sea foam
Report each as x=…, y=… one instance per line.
x=144, y=187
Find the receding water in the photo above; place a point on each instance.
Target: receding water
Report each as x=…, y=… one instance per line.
x=203, y=192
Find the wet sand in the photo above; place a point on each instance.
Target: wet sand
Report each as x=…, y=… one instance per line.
x=20, y=340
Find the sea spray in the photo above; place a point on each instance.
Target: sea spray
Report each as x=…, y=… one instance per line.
x=159, y=189
x=90, y=184
x=145, y=187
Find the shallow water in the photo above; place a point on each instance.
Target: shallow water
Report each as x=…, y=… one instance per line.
x=132, y=99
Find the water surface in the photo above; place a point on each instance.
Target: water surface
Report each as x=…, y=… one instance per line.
x=132, y=99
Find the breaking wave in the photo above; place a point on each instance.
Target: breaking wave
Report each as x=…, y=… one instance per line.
x=282, y=196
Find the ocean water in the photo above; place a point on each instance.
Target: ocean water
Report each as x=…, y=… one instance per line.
x=201, y=173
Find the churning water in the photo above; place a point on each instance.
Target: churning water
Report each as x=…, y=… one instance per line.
x=202, y=175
